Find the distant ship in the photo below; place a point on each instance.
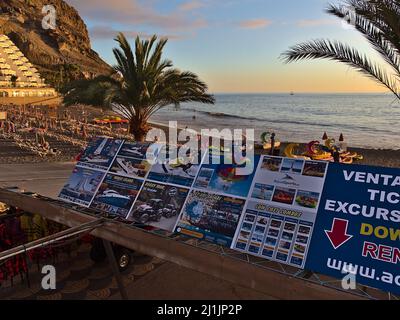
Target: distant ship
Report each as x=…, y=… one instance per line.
x=291, y=93
x=113, y=198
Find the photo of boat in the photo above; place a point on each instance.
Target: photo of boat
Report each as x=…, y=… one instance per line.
x=307, y=199
x=271, y=163
x=116, y=195
x=284, y=195
x=95, y=159
x=139, y=150
x=314, y=169
x=292, y=166
x=263, y=191
x=130, y=167
x=114, y=198
x=100, y=153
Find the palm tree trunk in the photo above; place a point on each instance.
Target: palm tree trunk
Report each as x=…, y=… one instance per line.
x=138, y=129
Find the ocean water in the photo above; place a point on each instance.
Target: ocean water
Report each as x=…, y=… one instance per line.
x=366, y=120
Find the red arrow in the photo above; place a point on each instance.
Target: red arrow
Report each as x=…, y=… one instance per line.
x=338, y=234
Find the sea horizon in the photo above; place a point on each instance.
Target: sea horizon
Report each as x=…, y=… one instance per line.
x=300, y=117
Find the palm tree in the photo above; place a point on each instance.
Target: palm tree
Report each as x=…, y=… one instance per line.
x=379, y=22
x=14, y=80
x=143, y=84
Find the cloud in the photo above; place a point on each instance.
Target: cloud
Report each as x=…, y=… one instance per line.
x=134, y=12
x=191, y=5
x=315, y=22
x=107, y=33
x=255, y=23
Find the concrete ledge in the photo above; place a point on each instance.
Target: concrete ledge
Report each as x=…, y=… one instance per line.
x=273, y=284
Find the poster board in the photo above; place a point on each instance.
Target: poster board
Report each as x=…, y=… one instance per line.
x=281, y=211
x=326, y=217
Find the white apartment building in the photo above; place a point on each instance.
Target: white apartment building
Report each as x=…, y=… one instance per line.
x=18, y=77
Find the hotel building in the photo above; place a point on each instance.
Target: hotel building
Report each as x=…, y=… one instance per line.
x=18, y=77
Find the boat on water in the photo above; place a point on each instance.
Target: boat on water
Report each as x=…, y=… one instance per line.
x=113, y=198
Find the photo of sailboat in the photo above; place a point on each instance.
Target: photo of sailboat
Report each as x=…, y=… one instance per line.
x=100, y=153
x=82, y=186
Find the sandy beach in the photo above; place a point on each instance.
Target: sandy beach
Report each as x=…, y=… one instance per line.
x=374, y=157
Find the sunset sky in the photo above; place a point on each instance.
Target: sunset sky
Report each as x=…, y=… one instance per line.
x=234, y=45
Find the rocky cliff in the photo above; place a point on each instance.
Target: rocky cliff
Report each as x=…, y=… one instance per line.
x=60, y=55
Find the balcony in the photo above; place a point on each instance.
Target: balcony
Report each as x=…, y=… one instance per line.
x=9, y=72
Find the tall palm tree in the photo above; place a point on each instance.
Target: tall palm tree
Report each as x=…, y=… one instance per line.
x=379, y=22
x=143, y=84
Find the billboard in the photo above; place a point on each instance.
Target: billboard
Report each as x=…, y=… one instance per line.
x=330, y=218
x=358, y=227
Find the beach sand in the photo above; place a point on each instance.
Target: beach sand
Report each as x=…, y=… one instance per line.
x=374, y=157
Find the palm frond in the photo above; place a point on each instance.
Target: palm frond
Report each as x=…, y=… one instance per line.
x=374, y=35
x=378, y=21
x=336, y=51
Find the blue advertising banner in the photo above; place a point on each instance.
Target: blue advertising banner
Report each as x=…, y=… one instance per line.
x=357, y=229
